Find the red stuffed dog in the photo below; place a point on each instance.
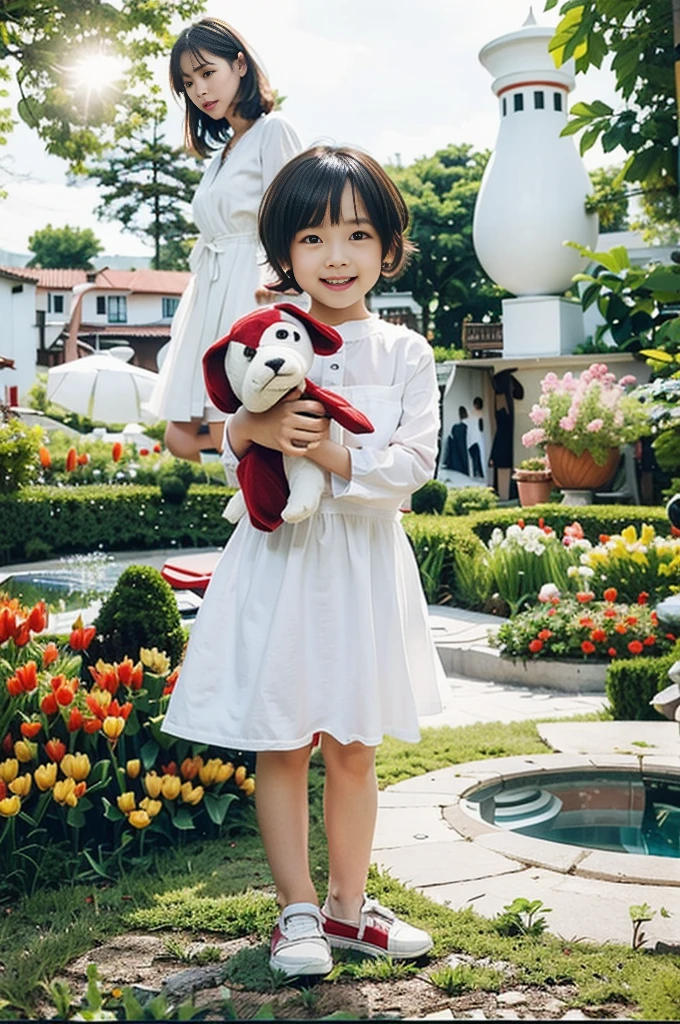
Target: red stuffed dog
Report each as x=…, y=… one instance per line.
x=265, y=355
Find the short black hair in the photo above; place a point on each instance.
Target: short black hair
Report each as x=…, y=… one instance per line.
x=202, y=133
x=462, y=412
x=478, y=403
x=311, y=184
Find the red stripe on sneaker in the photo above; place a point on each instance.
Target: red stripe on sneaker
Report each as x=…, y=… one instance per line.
x=373, y=934
x=376, y=936
x=277, y=935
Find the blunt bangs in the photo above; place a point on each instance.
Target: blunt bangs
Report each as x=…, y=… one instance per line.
x=202, y=134
x=310, y=187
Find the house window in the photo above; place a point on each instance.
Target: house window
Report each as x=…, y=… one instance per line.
x=518, y=99
x=117, y=309
x=505, y=106
x=101, y=305
x=55, y=303
x=169, y=306
x=539, y=100
x=557, y=100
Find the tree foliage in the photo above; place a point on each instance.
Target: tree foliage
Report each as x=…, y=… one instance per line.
x=609, y=199
x=638, y=35
x=147, y=185
x=64, y=247
x=446, y=277
x=43, y=41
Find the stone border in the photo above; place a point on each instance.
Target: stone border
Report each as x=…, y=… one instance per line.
x=482, y=662
x=449, y=786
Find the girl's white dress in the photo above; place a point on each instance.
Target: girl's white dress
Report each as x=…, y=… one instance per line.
x=227, y=263
x=322, y=626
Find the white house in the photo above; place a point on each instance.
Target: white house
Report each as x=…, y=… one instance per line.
x=18, y=335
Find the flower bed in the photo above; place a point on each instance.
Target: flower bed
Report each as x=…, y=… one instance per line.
x=84, y=766
x=580, y=627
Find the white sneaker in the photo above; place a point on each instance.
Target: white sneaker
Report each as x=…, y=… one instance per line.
x=379, y=932
x=299, y=946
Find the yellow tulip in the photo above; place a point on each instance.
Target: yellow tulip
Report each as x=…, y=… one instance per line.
x=156, y=661
x=140, y=819
x=64, y=792
x=25, y=751
x=45, y=776
x=224, y=772
x=76, y=766
x=192, y=794
x=103, y=697
x=113, y=726
x=248, y=786
x=9, y=769
x=208, y=773
x=22, y=784
x=152, y=784
x=152, y=807
x=10, y=806
x=170, y=787
x=647, y=534
x=629, y=534
x=133, y=768
x=240, y=775
x=126, y=802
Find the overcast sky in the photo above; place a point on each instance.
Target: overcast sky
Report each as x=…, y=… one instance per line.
x=392, y=76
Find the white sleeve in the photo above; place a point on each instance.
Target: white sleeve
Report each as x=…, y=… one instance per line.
x=228, y=459
x=409, y=459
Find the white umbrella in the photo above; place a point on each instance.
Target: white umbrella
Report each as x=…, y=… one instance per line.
x=102, y=387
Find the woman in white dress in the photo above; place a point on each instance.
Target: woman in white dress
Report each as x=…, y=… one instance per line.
x=321, y=626
x=229, y=105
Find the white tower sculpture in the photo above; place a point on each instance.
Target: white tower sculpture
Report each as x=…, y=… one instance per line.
x=532, y=197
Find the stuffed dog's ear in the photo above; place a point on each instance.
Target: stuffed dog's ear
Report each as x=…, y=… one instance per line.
x=325, y=340
x=216, y=382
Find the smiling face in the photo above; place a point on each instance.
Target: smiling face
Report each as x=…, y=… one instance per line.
x=260, y=376
x=212, y=83
x=338, y=264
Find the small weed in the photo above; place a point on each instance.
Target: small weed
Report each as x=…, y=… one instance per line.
x=518, y=918
x=463, y=978
x=641, y=914
x=308, y=998
x=382, y=968
x=175, y=950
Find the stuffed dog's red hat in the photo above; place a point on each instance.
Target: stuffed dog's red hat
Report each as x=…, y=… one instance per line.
x=247, y=332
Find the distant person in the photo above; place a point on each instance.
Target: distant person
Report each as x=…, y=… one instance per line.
x=457, y=445
x=229, y=113
x=475, y=439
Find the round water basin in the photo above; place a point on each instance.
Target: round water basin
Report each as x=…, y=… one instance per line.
x=622, y=811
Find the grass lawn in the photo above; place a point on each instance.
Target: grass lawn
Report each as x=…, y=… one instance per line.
x=223, y=888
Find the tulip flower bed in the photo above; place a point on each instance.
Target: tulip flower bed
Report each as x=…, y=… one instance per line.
x=581, y=627
x=84, y=765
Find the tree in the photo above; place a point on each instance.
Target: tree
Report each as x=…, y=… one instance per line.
x=446, y=277
x=71, y=58
x=638, y=34
x=147, y=185
x=64, y=247
x=609, y=199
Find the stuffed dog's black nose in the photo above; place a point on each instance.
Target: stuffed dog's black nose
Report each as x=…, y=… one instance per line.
x=275, y=364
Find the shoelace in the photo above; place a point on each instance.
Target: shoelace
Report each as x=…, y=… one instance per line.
x=301, y=926
x=373, y=912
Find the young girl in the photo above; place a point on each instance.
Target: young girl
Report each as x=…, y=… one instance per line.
x=228, y=107
x=321, y=627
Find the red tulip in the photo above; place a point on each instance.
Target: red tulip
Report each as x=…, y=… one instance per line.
x=71, y=460
x=91, y=725
x=14, y=687
x=27, y=676
x=610, y=594
x=75, y=720
x=45, y=458
x=29, y=730
x=49, y=704
x=50, y=654
x=80, y=639
x=55, y=749
x=116, y=451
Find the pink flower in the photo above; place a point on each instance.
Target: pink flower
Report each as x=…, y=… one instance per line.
x=549, y=383
x=533, y=437
x=595, y=425
x=628, y=379
x=538, y=415
x=567, y=423
x=548, y=592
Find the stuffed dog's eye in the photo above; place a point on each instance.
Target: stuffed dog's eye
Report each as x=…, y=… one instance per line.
x=249, y=353
x=282, y=333
x=296, y=335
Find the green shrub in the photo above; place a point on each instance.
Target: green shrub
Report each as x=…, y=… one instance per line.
x=141, y=611
x=430, y=498
x=631, y=684
x=105, y=518
x=463, y=500
x=19, y=447
x=173, y=488
x=37, y=550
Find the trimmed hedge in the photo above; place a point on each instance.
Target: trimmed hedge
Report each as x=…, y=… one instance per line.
x=66, y=520
x=631, y=684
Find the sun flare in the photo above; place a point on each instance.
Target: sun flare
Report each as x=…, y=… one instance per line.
x=97, y=72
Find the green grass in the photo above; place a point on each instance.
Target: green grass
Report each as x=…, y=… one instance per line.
x=224, y=886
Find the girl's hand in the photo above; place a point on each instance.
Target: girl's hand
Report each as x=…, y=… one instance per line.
x=294, y=426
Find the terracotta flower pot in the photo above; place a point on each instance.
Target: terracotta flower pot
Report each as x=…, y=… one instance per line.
x=580, y=472
x=533, y=488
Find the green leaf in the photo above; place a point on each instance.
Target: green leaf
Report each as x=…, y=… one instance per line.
x=589, y=138
x=75, y=817
x=218, y=805
x=183, y=820
x=149, y=753
x=110, y=812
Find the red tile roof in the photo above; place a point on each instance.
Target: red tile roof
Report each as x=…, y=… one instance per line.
x=19, y=274
x=149, y=282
